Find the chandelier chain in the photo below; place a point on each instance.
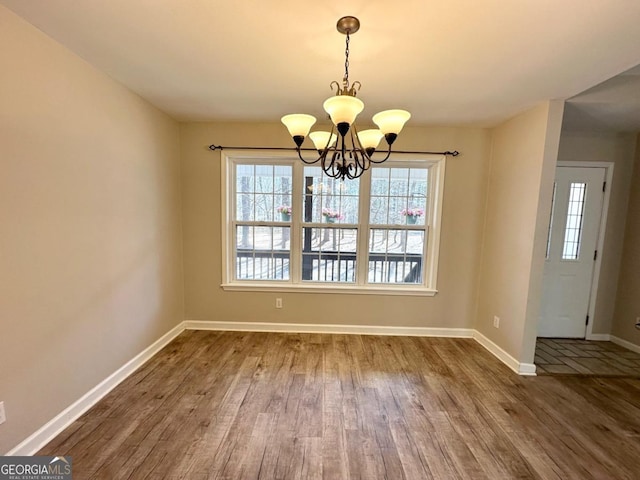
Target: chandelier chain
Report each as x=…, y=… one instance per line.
x=345, y=80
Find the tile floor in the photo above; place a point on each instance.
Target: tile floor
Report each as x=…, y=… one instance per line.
x=560, y=356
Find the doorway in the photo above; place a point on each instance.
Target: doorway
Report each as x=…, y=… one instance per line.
x=575, y=233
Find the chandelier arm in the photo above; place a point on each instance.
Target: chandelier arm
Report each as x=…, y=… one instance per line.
x=327, y=147
x=333, y=174
x=355, y=140
x=354, y=166
x=366, y=162
x=356, y=173
x=308, y=162
x=351, y=162
x=343, y=165
x=326, y=166
x=362, y=161
x=332, y=168
x=383, y=159
x=366, y=156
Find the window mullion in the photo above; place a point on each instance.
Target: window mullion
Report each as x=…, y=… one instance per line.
x=228, y=228
x=297, y=202
x=433, y=228
x=362, y=249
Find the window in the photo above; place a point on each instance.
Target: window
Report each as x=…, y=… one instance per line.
x=262, y=245
x=575, y=214
x=290, y=227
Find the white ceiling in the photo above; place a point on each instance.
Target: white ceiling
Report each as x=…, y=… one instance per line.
x=449, y=62
x=613, y=105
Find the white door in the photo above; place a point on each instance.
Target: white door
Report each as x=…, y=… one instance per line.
x=571, y=251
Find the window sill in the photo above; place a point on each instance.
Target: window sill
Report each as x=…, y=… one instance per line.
x=315, y=288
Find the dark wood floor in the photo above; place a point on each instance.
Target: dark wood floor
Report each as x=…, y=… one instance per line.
x=270, y=406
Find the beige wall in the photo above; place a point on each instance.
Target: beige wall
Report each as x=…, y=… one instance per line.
x=619, y=149
x=523, y=157
x=628, y=300
x=463, y=213
x=90, y=236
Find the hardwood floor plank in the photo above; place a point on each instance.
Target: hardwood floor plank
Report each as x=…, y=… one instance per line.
x=238, y=405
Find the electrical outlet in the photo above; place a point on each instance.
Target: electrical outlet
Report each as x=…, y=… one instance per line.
x=496, y=321
x=3, y=416
x=278, y=303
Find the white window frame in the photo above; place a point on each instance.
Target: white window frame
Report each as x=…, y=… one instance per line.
x=433, y=220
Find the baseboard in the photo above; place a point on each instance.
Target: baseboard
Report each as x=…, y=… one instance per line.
x=499, y=353
x=599, y=337
x=65, y=418
x=329, y=328
x=623, y=343
x=528, y=369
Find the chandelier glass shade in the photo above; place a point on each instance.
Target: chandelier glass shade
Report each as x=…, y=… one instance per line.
x=345, y=152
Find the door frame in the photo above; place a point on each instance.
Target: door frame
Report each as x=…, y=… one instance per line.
x=608, y=166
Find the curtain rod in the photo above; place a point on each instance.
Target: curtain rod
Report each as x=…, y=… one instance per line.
x=212, y=147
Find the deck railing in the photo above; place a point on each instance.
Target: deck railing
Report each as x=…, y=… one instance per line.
x=328, y=266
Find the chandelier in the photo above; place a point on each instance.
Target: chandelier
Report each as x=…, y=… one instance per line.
x=349, y=153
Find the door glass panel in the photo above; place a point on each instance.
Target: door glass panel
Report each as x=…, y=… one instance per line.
x=575, y=215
